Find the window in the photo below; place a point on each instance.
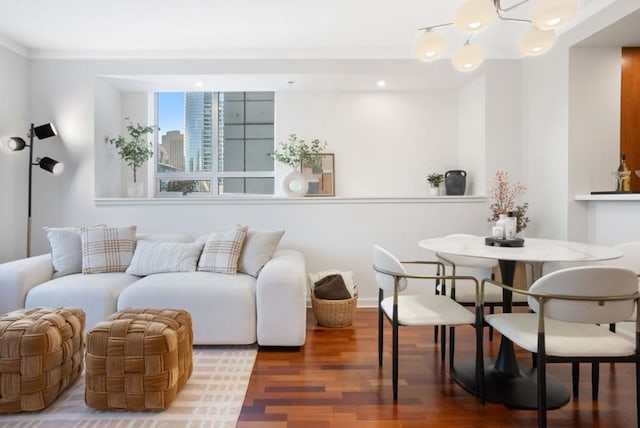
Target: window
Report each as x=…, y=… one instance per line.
x=212, y=143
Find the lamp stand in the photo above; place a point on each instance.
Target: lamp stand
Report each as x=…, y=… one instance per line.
x=31, y=133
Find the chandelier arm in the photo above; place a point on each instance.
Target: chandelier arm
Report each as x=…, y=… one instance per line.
x=504, y=18
x=435, y=26
x=499, y=8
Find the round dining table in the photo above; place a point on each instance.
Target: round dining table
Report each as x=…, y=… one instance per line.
x=505, y=381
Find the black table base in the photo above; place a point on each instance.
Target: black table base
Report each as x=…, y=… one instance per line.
x=514, y=391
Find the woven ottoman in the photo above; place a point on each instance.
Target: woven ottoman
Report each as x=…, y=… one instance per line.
x=177, y=319
x=133, y=360
x=41, y=354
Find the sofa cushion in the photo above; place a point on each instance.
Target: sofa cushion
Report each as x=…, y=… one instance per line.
x=259, y=246
x=158, y=257
x=107, y=249
x=223, y=307
x=222, y=251
x=96, y=294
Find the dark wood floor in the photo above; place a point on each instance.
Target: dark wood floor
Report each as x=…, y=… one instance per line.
x=334, y=381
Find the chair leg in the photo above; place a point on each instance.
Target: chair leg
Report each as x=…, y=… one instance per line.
x=435, y=334
x=380, y=339
x=637, y=390
x=443, y=343
x=395, y=360
x=380, y=328
x=575, y=378
x=492, y=310
x=480, y=382
x=595, y=380
x=452, y=338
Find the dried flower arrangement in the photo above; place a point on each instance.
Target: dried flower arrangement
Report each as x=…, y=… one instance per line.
x=505, y=195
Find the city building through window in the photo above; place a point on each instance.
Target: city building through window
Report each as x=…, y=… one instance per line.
x=213, y=143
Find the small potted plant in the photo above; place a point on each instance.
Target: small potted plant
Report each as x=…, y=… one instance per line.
x=134, y=150
x=296, y=153
x=434, y=180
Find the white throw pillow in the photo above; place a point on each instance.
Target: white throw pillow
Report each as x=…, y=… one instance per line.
x=107, y=249
x=222, y=251
x=66, y=249
x=158, y=257
x=346, y=276
x=258, y=248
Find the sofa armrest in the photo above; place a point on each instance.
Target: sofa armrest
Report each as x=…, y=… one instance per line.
x=281, y=300
x=20, y=276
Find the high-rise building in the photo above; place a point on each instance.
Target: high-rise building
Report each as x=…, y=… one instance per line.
x=199, y=131
x=172, y=150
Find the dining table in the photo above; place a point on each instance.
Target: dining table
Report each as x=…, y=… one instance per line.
x=505, y=381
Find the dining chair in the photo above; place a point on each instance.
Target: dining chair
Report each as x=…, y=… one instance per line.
x=568, y=307
x=630, y=260
x=464, y=292
x=425, y=309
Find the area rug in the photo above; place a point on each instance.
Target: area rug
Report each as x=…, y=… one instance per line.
x=212, y=397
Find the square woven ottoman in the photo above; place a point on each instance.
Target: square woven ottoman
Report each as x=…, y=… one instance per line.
x=180, y=321
x=132, y=363
x=41, y=354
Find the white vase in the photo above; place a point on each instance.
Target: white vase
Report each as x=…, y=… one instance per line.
x=294, y=183
x=135, y=190
x=434, y=191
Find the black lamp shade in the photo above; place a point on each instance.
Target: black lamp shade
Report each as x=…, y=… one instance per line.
x=45, y=131
x=51, y=165
x=16, y=144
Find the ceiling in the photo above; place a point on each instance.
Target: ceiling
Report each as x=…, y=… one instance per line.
x=243, y=28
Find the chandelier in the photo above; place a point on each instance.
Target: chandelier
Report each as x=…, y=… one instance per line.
x=473, y=16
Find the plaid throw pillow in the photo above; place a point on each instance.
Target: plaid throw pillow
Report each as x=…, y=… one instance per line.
x=222, y=251
x=107, y=249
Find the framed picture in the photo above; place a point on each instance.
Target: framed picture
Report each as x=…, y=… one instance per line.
x=320, y=174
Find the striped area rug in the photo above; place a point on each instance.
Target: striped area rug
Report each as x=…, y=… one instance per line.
x=212, y=397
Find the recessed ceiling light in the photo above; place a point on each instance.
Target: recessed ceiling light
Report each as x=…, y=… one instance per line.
x=381, y=83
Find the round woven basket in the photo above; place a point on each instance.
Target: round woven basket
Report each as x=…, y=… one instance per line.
x=334, y=313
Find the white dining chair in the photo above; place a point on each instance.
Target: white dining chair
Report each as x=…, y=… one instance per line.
x=464, y=292
x=568, y=307
x=426, y=309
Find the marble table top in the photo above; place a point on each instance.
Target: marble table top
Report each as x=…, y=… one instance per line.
x=534, y=249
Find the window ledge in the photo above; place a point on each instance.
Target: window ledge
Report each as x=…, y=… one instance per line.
x=276, y=200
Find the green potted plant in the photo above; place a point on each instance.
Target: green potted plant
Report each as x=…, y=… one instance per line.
x=296, y=153
x=434, y=180
x=134, y=150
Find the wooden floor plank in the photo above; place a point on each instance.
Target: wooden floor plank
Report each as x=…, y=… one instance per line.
x=335, y=381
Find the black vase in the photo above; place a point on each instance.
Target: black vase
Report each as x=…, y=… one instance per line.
x=455, y=181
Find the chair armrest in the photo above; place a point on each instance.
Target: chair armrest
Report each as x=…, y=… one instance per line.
x=281, y=300
x=19, y=276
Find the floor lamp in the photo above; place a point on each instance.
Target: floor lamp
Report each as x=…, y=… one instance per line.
x=15, y=144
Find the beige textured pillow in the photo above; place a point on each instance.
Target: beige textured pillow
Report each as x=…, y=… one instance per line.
x=222, y=251
x=258, y=248
x=107, y=249
x=158, y=257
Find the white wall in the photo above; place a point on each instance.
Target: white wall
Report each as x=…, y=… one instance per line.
x=385, y=144
x=14, y=173
x=472, y=128
x=594, y=128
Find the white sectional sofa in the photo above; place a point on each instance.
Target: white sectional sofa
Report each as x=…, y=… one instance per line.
x=269, y=309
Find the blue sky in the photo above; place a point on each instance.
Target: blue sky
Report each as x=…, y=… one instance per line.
x=171, y=112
